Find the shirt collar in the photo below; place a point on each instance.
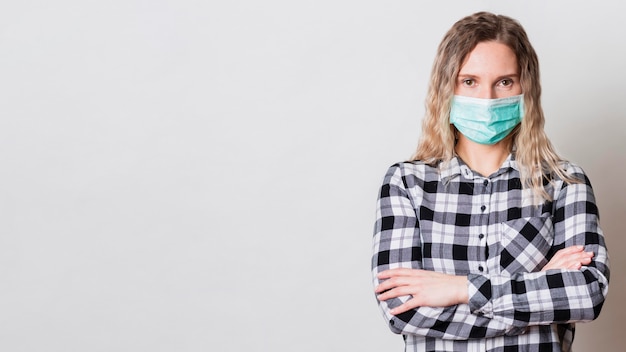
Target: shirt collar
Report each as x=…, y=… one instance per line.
x=456, y=167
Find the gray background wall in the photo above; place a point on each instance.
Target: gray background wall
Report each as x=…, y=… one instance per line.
x=201, y=176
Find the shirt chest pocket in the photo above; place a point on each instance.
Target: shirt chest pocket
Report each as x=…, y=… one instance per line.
x=525, y=244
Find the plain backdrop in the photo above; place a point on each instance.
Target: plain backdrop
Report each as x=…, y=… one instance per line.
x=197, y=175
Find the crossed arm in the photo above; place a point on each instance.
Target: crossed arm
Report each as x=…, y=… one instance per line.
x=433, y=289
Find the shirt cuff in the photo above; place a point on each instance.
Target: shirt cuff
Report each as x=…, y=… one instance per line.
x=479, y=289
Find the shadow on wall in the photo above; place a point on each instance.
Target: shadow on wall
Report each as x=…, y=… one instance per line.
x=599, y=148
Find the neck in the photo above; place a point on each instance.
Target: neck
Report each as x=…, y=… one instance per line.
x=484, y=159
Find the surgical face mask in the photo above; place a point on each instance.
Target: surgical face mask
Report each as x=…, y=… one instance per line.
x=486, y=121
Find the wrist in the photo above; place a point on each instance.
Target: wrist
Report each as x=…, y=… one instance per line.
x=462, y=290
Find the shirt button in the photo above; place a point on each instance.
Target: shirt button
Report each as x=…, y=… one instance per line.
x=480, y=268
x=482, y=208
x=485, y=183
x=481, y=236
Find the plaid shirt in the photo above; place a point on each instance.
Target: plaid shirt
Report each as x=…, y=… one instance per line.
x=455, y=221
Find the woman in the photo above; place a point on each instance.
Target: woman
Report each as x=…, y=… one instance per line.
x=487, y=240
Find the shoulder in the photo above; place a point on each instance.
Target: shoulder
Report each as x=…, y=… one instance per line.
x=574, y=186
x=572, y=168
x=574, y=171
x=410, y=173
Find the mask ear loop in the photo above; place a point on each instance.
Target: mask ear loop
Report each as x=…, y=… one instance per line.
x=456, y=140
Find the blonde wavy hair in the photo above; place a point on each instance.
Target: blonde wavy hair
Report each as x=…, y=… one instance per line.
x=534, y=153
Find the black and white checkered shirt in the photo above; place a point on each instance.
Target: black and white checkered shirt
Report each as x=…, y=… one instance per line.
x=455, y=221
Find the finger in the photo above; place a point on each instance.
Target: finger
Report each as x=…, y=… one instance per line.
x=390, y=284
x=385, y=274
x=582, y=257
x=384, y=286
x=568, y=250
x=565, y=255
x=575, y=266
x=580, y=262
x=559, y=263
x=571, y=249
x=406, y=306
x=573, y=262
x=394, y=293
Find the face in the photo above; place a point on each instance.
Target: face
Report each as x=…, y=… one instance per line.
x=489, y=71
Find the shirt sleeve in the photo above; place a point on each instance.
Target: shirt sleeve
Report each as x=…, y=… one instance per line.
x=397, y=245
x=553, y=296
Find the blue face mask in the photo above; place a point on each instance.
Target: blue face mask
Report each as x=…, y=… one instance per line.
x=486, y=121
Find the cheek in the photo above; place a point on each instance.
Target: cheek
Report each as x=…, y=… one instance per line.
x=460, y=89
x=509, y=93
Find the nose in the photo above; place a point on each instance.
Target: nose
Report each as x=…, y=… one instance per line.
x=487, y=93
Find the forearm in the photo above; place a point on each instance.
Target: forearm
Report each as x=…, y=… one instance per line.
x=541, y=298
x=454, y=322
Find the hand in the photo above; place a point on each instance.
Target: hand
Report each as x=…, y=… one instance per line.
x=427, y=288
x=573, y=257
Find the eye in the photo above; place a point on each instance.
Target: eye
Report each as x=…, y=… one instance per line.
x=468, y=82
x=507, y=82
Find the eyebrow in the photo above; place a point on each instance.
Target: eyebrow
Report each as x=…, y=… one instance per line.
x=470, y=75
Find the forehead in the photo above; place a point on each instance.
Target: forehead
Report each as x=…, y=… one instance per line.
x=490, y=57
